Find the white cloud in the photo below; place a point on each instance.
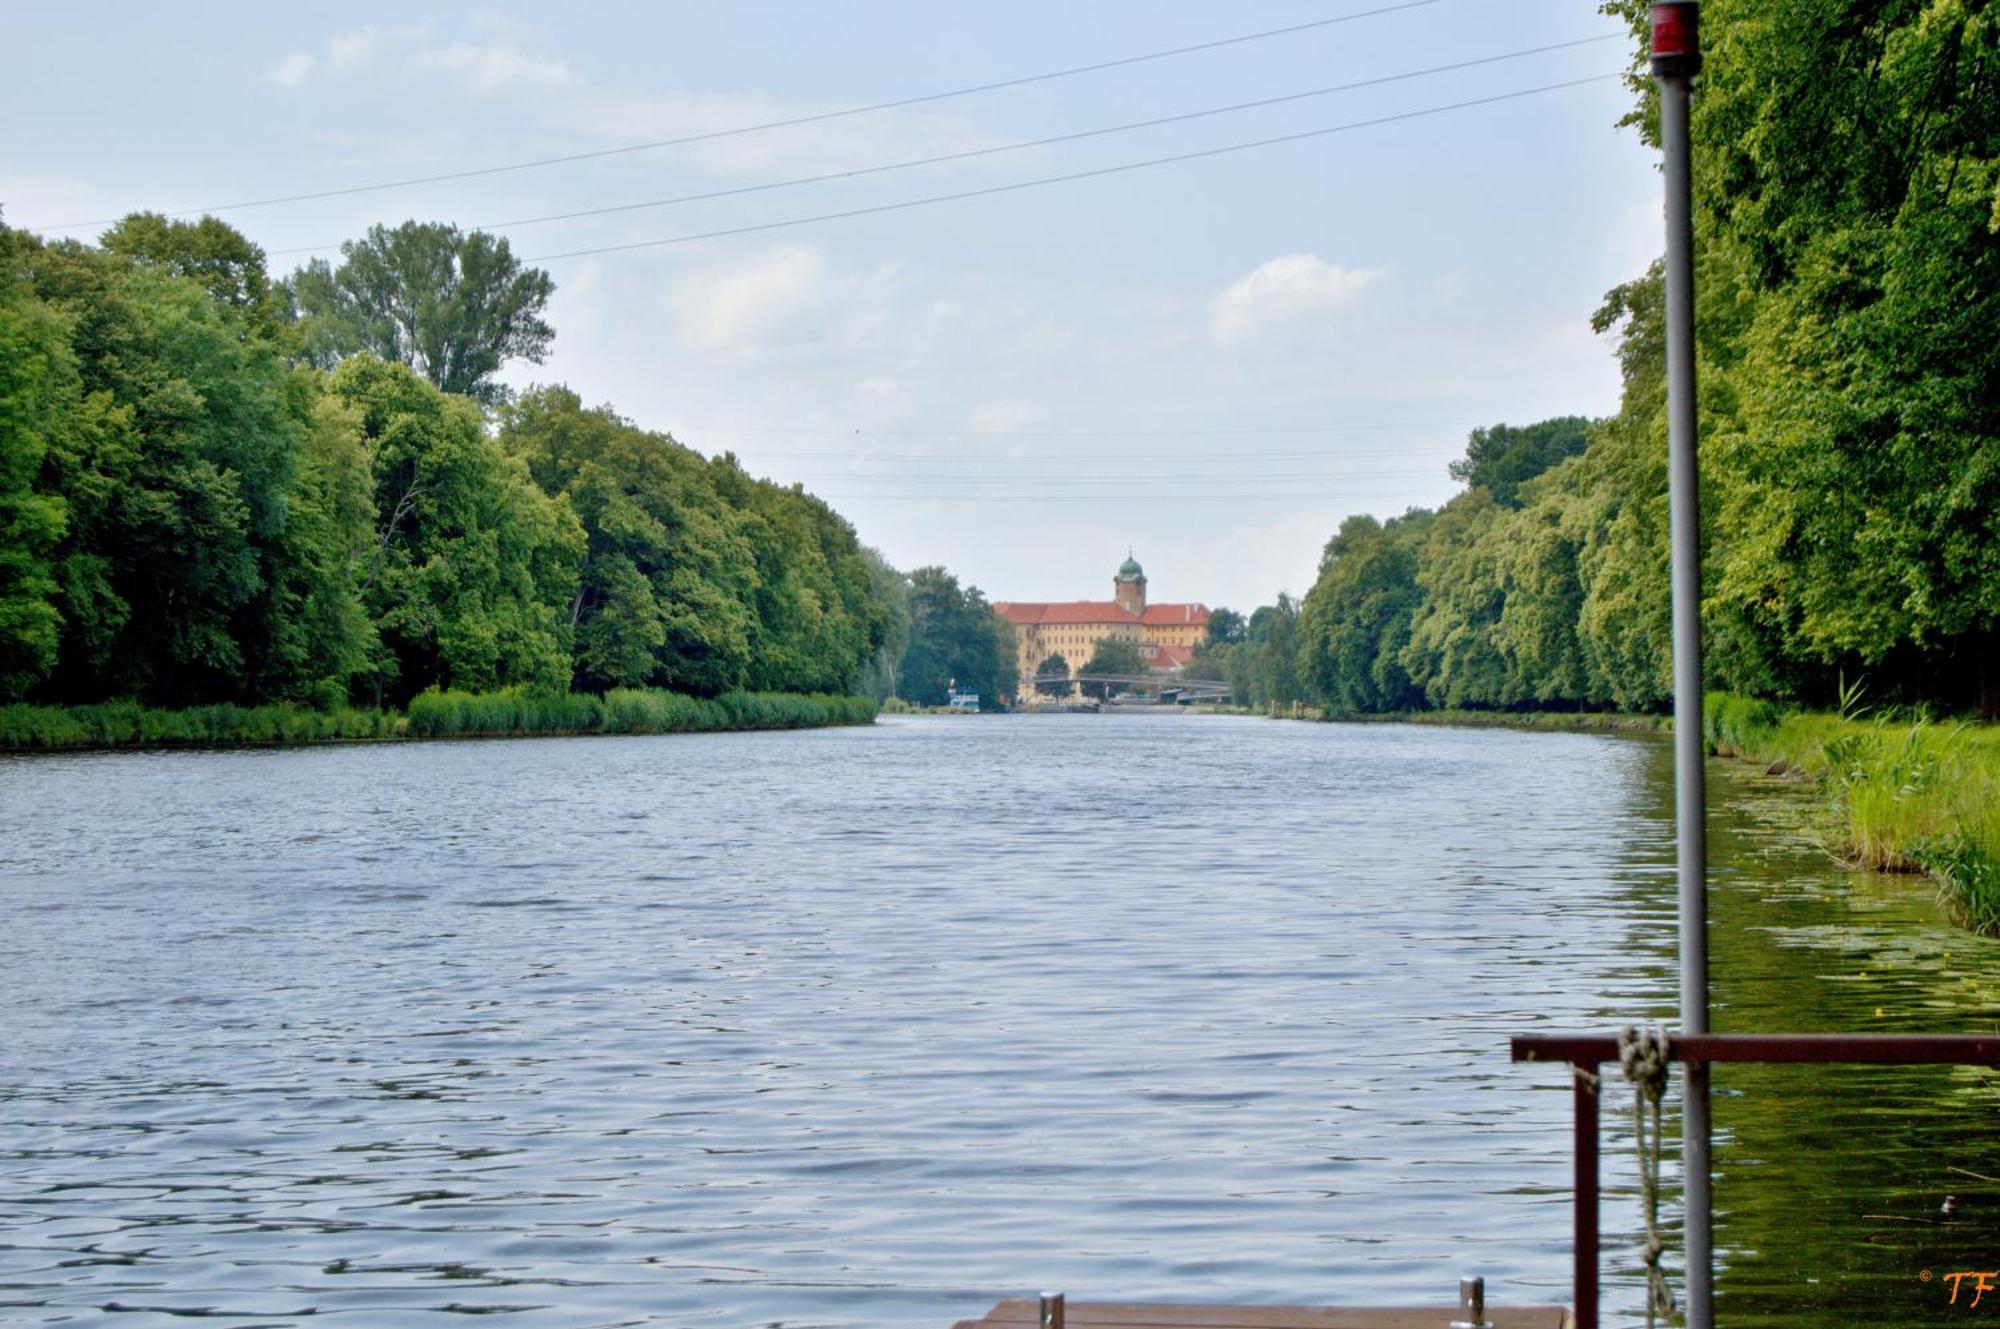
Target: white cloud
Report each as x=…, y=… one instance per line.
x=1289, y=287
x=786, y=297
x=291, y=71
x=489, y=65
x=483, y=66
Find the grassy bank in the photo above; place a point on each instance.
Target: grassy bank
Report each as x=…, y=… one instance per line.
x=1569, y=722
x=432, y=715
x=1904, y=794
x=1907, y=795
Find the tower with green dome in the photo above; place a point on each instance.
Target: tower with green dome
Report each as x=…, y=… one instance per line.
x=1128, y=588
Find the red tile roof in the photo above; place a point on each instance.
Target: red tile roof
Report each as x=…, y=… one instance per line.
x=1043, y=614
x=1163, y=656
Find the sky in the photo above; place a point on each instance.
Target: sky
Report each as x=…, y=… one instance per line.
x=1210, y=363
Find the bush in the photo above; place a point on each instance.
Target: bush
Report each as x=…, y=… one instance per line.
x=433, y=714
x=127, y=724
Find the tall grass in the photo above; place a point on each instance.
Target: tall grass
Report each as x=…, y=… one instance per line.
x=1906, y=794
x=627, y=711
x=434, y=714
x=127, y=724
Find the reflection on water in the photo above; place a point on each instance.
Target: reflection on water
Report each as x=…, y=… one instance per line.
x=866, y=1027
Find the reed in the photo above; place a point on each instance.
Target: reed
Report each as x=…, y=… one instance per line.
x=434, y=714
x=1905, y=793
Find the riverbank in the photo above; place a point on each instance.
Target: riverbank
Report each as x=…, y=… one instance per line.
x=432, y=715
x=1902, y=795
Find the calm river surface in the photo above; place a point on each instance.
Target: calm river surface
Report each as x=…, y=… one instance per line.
x=867, y=1027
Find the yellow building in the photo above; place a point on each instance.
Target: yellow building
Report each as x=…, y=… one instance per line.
x=1166, y=634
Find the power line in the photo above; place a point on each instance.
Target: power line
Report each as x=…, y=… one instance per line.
x=1095, y=498
x=1094, y=173
x=788, y=123
x=1447, y=453
x=972, y=153
x=713, y=427
x=1114, y=477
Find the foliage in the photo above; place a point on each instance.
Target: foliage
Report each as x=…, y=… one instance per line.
x=473, y=568
x=1052, y=676
x=211, y=253
x=453, y=306
x=889, y=591
x=1848, y=159
x=432, y=714
x=1114, y=656
x=128, y=724
x=625, y=711
x=1905, y=795
x=1226, y=627
x=955, y=638
x=1357, y=619
x=694, y=575
x=1502, y=459
x=191, y=519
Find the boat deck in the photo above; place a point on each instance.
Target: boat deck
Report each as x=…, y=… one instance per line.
x=1023, y=1313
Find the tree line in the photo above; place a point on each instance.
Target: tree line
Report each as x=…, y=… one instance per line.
x=1848, y=232
x=220, y=488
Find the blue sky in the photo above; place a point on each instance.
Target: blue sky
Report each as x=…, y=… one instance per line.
x=1212, y=362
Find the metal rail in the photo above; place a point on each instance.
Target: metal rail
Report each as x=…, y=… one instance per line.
x=1586, y=1053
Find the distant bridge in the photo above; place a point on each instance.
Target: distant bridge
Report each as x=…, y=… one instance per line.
x=1161, y=690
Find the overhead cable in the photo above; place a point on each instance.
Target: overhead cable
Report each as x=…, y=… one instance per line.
x=970, y=154
x=1094, y=173
x=821, y=117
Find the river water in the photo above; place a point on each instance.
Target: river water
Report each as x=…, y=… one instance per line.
x=868, y=1027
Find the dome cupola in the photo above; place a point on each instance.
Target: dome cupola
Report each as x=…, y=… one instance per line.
x=1128, y=588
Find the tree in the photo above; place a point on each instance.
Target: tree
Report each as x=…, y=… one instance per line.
x=1226, y=627
x=955, y=637
x=890, y=592
x=217, y=256
x=40, y=399
x=1113, y=656
x=695, y=575
x=1356, y=620
x=454, y=306
x=473, y=569
x=1052, y=676
x=1502, y=459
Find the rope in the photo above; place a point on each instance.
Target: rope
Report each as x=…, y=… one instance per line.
x=1643, y=1054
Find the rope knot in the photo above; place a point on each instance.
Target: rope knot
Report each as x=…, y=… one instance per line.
x=1644, y=1055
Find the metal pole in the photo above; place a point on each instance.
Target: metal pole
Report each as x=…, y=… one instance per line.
x=1584, y=1095
x=1676, y=61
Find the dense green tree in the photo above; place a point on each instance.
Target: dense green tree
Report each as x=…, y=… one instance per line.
x=1226, y=626
x=955, y=639
x=1356, y=621
x=1052, y=676
x=889, y=590
x=217, y=256
x=695, y=575
x=1114, y=656
x=473, y=570
x=40, y=401
x=1503, y=458
x=1454, y=652
x=454, y=306
x=190, y=519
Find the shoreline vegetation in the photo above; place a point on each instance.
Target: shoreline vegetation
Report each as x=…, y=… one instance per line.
x=1903, y=793
x=431, y=715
